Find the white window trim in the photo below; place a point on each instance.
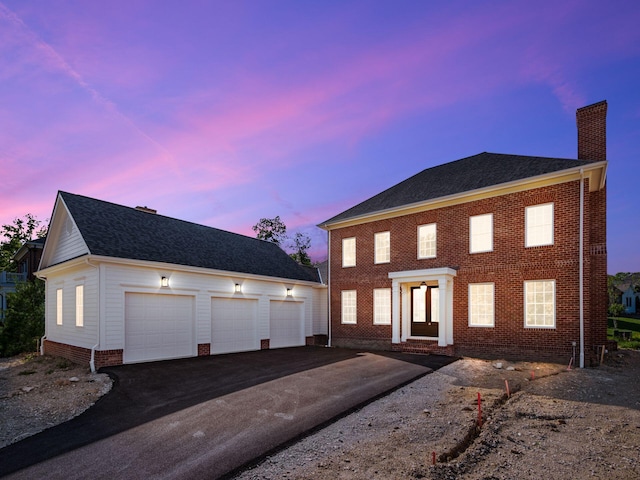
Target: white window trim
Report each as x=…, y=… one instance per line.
x=493, y=299
x=59, y=309
x=545, y=327
x=435, y=249
x=527, y=242
x=346, y=264
x=490, y=249
x=342, y=307
x=79, y=305
x=387, y=257
x=384, y=319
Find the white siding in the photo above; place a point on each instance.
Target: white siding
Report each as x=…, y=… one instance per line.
x=85, y=336
x=68, y=243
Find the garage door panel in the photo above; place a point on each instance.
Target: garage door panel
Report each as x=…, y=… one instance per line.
x=158, y=327
x=286, y=324
x=233, y=325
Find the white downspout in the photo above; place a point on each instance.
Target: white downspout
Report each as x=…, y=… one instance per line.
x=46, y=307
x=92, y=363
x=581, y=263
x=329, y=289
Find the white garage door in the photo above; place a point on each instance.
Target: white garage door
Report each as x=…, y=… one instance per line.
x=286, y=325
x=234, y=325
x=158, y=327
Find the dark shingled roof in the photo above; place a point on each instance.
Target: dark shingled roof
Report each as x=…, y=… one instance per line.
x=122, y=232
x=464, y=175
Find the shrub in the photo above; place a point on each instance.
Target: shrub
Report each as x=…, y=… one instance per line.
x=24, y=320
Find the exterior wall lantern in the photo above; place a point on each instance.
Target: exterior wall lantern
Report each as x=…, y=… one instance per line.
x=289, y=292
x=238, y=288
x=423, y=287
x=164, y=281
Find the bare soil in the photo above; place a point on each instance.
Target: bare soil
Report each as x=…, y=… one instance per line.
x=552, y=423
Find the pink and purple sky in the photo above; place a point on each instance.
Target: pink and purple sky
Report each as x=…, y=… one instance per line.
x=222, y=113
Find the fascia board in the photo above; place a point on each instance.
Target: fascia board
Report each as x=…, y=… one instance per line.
x=595, y=172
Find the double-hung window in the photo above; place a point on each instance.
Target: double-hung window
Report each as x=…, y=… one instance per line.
x=382, y=306
x=539, y=225
x=382, y=247
x=349, y=252
x=59, y=306
x=349, y=311
x=79, y=305
x=427, y=241
x=481, y=233
x=481, y=305
x=540, y=303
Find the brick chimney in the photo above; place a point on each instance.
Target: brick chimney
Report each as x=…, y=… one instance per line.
x=592, y=132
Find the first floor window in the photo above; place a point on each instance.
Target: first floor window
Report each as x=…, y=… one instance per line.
x=59, y=306
x=481, y=233
x=382, y=306
x=540, y=303
x=349, y=252
x=383, y=247
x=481, y=305
x=79, y=305
x=349, y=306
x=427, y=241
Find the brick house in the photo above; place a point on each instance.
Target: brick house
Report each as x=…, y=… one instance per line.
x=491, y=255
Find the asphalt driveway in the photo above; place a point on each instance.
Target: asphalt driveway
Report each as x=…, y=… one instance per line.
x=205, y=417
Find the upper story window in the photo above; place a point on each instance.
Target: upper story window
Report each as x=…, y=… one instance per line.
x=349, y=252
x=349, y=310
x=481, y=233
x=59, y=306
x=540, y=304
x=382, y=306
x=383, y=247
x=481, y=305
x=427, y=241
x=539, y=225
x=79, y=305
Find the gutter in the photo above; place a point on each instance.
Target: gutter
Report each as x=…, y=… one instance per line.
x=581, y=263
x=329, y=289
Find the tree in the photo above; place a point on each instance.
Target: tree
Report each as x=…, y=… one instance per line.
x=272, y=230
x=22, y=230
x=24, y=320
x=301, y=245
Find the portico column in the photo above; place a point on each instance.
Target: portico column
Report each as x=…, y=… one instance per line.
x=445, y=326
x=395, y=311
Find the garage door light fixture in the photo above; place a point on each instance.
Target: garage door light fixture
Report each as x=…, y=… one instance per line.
x=289, y=292
x=238, y=288
x=164, y=281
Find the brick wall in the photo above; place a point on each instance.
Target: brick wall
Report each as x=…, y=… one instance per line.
x=507, y=266
x=82, y=356
x=204, y=349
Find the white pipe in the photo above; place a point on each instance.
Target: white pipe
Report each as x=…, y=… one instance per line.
x=329, y=289
x=44, y=279
x=581, y=263
x=92, y=362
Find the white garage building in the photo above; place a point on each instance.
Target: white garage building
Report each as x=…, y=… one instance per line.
x=126, y=285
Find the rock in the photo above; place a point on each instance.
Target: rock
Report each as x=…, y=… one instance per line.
x=27, y=389
x=74, y=379
x=498, y=365
x=511, y=369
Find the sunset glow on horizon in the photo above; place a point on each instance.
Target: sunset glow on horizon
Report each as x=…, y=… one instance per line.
x=222, y=113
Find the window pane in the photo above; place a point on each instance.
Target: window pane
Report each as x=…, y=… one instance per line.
x=59, y=306
x=481, y=233
x=481, y=300
x=382, y=306
x=539, y=225
x=348, y=252
x=349, y=306
x=427, y=241
x=79, y=305
x=382, y=247
x=540, y=303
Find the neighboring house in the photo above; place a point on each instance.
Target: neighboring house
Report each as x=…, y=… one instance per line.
x=27, y=259
x=480, y=256
x=126, y=285
x=631, y=299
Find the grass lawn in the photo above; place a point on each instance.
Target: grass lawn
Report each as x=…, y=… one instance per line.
x=631, y=325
